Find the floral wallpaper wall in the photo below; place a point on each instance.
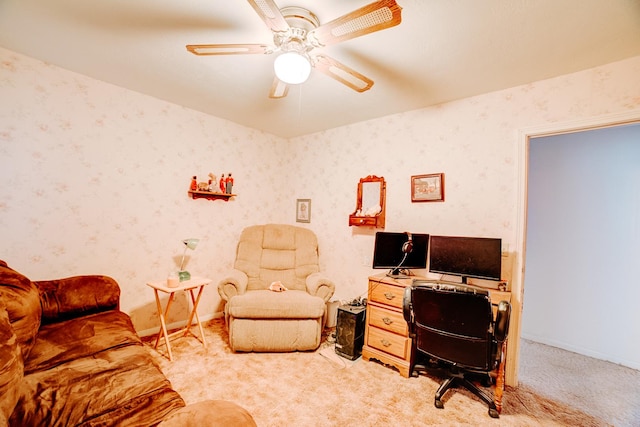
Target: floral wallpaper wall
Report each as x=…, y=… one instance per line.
x=94, y=177
x=473, y=141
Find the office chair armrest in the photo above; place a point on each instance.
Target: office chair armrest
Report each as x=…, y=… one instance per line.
x=234, y=284
x=321, y=286
x=501, y=328
x=407, y=308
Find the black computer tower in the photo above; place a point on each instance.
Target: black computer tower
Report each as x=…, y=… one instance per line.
x=350, y=331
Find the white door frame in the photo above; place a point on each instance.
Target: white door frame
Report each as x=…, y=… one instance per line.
x=524, y=135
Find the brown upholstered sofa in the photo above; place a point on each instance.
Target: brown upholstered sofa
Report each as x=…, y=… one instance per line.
x=70, y=357
x=261, y=320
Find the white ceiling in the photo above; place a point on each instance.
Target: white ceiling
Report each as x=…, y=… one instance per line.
x=443, y=50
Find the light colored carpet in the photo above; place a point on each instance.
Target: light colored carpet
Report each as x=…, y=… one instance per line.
x=310, y=389
x=605, y=390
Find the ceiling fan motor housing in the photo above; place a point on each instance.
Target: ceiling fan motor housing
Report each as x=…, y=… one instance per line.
x=300, y=21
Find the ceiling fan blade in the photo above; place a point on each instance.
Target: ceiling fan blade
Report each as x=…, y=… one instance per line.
x=368, y=19
x=270, y=14
x=342, y=73
x=279, y=89
x=227, y=49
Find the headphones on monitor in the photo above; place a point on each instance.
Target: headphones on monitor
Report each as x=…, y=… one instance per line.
x=407, y=246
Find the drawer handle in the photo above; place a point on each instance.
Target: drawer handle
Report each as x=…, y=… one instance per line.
x=387, y=321
x=385, y=342
x=389, y=295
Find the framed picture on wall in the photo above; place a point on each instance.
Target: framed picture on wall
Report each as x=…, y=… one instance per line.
x=427, y=188
x=303, y=210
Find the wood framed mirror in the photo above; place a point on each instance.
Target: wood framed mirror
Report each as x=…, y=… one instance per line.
x=371, y=203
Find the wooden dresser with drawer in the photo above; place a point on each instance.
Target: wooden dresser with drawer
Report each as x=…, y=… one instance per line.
x=386, y=333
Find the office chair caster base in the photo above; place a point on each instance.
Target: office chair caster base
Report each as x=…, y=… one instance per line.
x=438, y=404
x=493, y=413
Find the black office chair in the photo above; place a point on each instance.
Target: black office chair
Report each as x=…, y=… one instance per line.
x=454, y=331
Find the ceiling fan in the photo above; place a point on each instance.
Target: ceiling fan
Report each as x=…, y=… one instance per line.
x=297, y=33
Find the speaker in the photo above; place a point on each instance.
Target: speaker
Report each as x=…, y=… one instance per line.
x=350, y=331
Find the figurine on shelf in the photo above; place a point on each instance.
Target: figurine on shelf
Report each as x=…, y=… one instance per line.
x=212, y=182
x=229, y=182
x=194, y=184
x=222, y=183
x=373, y=211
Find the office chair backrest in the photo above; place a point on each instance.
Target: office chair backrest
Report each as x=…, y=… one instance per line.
x=452, y=323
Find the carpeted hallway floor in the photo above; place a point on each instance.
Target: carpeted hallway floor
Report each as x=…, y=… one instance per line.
x=315, y=389
x=604, y=390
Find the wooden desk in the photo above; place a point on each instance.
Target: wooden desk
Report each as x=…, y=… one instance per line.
x=190, y=285
x=386, y=332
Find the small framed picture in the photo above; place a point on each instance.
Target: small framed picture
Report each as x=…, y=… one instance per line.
x=427, y=188
x=303, y=210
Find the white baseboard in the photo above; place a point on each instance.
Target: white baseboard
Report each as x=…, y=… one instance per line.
x=179, y=324
x=581, y=350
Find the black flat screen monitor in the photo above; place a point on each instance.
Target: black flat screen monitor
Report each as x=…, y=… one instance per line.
x=388, y=251
x=478, y=257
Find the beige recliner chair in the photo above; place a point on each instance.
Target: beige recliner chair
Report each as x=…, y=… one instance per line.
x=259, y=319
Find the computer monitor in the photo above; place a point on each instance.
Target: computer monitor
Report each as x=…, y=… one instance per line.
x=400, y=251
x=478, y=257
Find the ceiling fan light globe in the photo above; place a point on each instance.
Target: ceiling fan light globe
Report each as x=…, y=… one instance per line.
x=292, y=68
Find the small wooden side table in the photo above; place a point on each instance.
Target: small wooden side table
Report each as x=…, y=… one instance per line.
x=189, y=285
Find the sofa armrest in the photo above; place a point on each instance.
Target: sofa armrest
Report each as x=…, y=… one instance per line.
x=77, y=296
x=320, y=285
x=234, y=284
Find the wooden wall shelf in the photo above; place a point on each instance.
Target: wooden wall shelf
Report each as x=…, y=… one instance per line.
x=209, y=195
